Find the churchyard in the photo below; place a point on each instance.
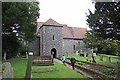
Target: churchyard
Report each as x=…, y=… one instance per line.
x=53, y=71
x=105, y=64
x=43, y=43
x=84, y=69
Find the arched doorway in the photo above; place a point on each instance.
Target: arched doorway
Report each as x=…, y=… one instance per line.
x=53, y=52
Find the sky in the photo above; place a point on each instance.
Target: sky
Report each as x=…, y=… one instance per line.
x=70, y=12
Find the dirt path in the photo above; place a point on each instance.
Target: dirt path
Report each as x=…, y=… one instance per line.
x=99, y=68
x=89, y=70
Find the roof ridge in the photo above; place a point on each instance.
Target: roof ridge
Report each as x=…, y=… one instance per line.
x=76, y=27
x=52, y=22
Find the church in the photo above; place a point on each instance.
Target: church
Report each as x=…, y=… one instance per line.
x=53, y=38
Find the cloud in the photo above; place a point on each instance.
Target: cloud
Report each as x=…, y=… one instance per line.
x=70, y=12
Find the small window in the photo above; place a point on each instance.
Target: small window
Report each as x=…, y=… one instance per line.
x=74, y=47
x=53, y=37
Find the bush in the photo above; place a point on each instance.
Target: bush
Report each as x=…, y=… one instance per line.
x=111, y=47
x=110, y=72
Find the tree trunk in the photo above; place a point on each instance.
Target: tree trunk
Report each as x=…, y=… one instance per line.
x=4, y=58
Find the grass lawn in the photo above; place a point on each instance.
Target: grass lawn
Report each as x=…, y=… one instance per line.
x=59, y=71
x=19, y=67
x=104, y=62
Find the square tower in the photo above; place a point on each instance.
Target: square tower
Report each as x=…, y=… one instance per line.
x=51, y=38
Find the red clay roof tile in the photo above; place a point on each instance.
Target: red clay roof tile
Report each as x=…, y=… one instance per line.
x=66, y=32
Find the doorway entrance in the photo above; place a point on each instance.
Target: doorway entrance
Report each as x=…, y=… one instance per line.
x=54, y=52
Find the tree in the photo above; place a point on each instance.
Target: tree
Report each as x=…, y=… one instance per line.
x=105, y=27
x=105, y=21
x=18, y=24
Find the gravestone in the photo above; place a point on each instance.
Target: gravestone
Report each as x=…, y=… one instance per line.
x=101, y=58
x=77, y=53
x=4, y=56
x=7, y=71
x=108, y=59
x=26, y=55
x=84, y=54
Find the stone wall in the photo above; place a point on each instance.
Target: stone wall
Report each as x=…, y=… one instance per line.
x=71, y=46
x=34, y=46
x=47, y=43
x=41, y=40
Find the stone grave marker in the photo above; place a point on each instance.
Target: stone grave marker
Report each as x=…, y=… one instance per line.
x=7, y=71
x=101, y=58
x=108, y=59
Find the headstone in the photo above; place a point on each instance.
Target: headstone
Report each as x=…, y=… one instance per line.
x=108, y=59
x=8, y=71
x=94, y=57
x=84, y=54
x=76, y=52
x=5, y=56
x=26, y=55
x=101, y=58
x=94, y=54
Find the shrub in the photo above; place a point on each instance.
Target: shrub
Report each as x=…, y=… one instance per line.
x=111, y=47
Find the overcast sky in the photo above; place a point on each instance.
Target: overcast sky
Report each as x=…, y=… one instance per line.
x=70, y=12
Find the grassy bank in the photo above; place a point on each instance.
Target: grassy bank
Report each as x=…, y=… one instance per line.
x=19, y=67
x=55, y=71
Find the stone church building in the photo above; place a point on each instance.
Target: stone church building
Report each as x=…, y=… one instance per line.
x=57, y=39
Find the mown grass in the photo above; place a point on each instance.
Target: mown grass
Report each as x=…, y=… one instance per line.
x=19, y=67
x=60, y=71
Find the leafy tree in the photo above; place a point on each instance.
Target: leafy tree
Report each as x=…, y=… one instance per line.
x=105, y=27
x=18, y=24
x=93, y=41
x=111, y=47
x=105, y=21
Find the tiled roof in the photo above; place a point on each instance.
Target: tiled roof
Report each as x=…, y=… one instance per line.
x=48, y=22
x=73, y=32
x=68, y=32
x=52, y=22
x=78, y=33
x=39, y=24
